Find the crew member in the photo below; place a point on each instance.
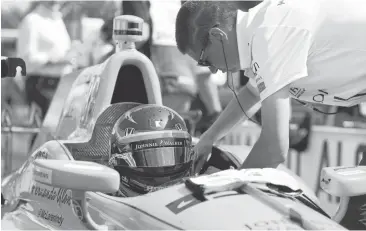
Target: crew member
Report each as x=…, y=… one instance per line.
x=308, y=50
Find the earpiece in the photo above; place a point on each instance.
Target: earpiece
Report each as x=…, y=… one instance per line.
x=218, y=32
x=223, y=36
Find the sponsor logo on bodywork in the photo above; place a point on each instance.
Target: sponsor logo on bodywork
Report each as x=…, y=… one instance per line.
x=260, y=84
x=42, y=154
x=320, y=96
x=77, y=210
x=258, y=79
x=60, y=195
x=42, y=175
x=297, y=92
x=51, y=217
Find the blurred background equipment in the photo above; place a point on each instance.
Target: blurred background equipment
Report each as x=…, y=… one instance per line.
x=11, y=67
x=82, y=21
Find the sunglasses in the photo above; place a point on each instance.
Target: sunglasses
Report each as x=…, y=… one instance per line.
x=204, y=63
x=201, y=62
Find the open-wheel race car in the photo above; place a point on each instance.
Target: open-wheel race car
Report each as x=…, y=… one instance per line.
x=70, y=180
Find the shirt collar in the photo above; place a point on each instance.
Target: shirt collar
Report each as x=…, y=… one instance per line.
x=243, y=39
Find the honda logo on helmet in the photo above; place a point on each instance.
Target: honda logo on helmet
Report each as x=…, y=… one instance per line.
x=156, y=123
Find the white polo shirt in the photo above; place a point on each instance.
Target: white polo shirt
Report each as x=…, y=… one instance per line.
x=317, y=47
x=41, y=38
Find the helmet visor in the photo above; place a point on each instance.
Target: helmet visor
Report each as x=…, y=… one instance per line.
x=159, y=152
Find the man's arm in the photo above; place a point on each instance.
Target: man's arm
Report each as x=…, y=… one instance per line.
x=233, y=114
x=280, y=56
x=271, y=148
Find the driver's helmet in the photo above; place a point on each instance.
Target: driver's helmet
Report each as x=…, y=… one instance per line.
x=151, y=149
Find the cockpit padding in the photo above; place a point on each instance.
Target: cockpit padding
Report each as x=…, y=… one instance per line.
x=130, y=86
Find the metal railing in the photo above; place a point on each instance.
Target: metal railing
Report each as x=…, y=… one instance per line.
x=9, y=129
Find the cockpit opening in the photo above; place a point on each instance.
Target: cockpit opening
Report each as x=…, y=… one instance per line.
x=130, y=86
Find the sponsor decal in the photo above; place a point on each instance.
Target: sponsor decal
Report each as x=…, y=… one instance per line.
x=42, y=175
x=325, y=181
x=26, y=171
x=77, y=210
x=258, y=79
x=51, y=217
x=163, y=142
x=255, y=67
x=319, y=97
x=261, y=86
x=59, y=195
x=42, y=154
x=297, y=92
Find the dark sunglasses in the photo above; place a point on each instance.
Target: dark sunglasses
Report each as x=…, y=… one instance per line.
x=201, y=62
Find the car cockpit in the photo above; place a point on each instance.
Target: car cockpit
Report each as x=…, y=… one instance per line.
x=126, y=76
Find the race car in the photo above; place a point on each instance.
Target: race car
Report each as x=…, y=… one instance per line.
x=66, y=184
x=62, y=186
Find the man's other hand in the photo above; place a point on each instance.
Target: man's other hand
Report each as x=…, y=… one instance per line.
x=202, y=152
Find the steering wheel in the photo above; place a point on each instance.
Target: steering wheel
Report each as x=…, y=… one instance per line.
x=221, y=160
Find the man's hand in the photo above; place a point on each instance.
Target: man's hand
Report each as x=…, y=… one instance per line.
x=202, y=151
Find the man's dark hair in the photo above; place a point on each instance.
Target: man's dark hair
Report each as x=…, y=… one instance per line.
x=196, y=18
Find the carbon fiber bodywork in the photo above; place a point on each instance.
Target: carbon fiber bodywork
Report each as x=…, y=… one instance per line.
x=98, y=147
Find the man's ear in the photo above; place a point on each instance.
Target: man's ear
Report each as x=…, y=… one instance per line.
x=217, y=34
